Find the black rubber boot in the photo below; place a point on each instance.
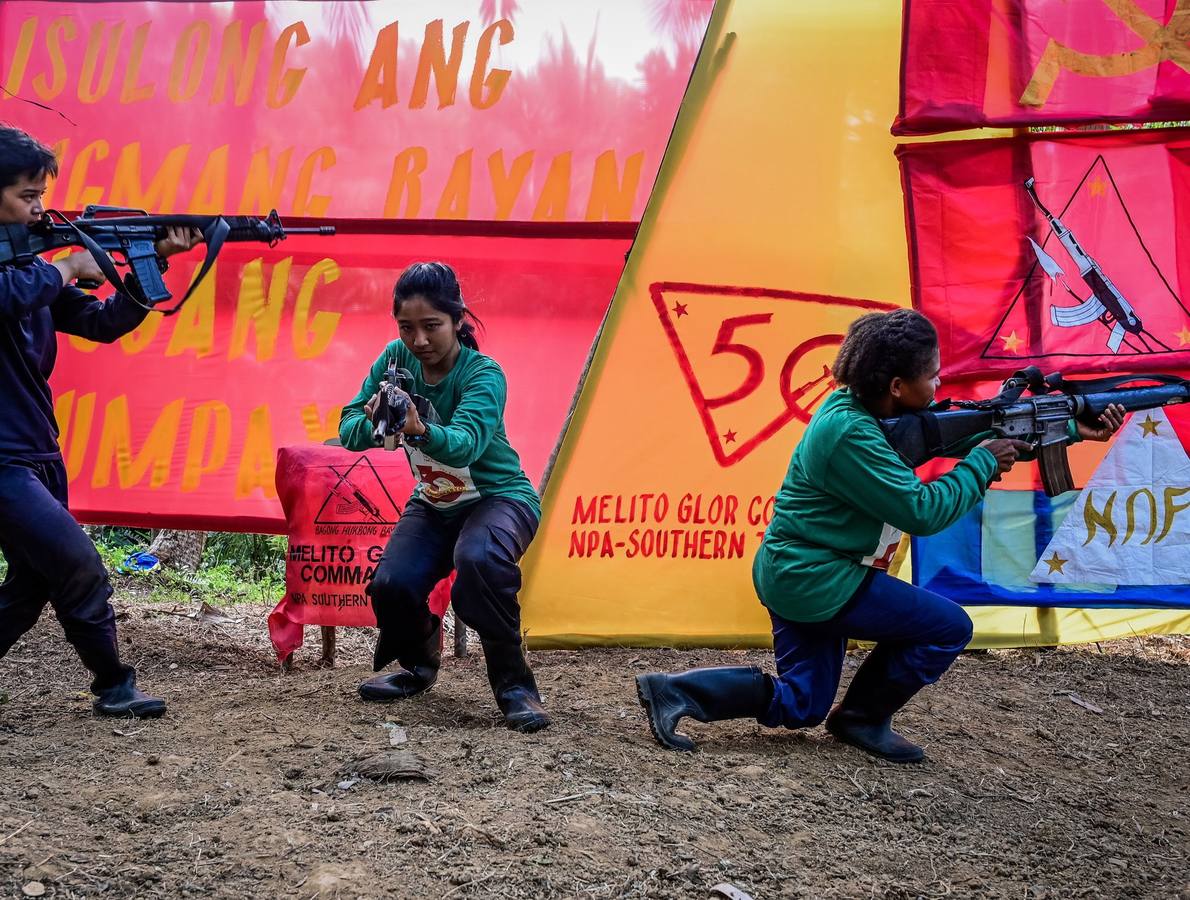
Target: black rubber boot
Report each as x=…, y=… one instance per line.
x=395, y=643
x=514, y=687
x=864, y=718
x=420, y=664
x=708, y=695
x=123, y=700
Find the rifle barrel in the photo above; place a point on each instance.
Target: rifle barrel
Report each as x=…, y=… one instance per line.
x=1136, y=399
x=325, y=230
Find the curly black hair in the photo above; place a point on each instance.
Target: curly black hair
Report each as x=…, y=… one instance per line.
x=882, y=346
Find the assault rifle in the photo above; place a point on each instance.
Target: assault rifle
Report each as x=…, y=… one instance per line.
x=1041, y=419
x=130, y=235
x=393, y=409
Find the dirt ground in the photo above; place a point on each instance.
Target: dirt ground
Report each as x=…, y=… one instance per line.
x=1049, y=774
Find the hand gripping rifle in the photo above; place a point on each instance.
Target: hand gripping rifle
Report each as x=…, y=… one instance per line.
x=393, y=408
x=1041, y=419
x=130, y=235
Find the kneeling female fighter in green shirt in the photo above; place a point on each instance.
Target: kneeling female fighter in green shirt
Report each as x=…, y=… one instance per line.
x=839, y=515
x=473, y=509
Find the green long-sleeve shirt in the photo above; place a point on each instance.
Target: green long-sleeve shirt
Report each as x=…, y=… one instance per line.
x=844, y=503
x=465, y=457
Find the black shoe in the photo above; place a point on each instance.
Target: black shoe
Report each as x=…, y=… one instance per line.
x=399, y=685
x=708, y=695
x=877, y=738
x=125, y=701
x=864, y=717
x=514, y=687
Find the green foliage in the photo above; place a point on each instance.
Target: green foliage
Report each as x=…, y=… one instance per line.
x=235, y=568
x=257, y=557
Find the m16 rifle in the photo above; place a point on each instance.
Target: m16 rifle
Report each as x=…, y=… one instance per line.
x=392, y=409
x=120, y=236
x=1041, y=419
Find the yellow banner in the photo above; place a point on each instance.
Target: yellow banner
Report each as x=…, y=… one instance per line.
x=776, y=219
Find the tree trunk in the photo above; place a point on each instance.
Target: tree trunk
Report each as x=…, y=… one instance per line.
x=179, y=550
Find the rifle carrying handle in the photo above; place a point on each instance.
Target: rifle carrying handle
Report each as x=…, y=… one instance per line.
x=1055, y=470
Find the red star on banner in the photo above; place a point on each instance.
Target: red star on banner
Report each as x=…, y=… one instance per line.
x=680, y=310
x=729, y=437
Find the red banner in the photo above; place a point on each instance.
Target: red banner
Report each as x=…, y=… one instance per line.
x=546, y=121
x=543, y=111
x=341, y=508
x=974, y=63
x=1104, y=287
x=179, y=422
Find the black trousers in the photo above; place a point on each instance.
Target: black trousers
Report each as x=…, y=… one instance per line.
x=483, y=544
x=51, y=560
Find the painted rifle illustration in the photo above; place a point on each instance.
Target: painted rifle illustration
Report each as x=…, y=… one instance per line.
x=1043, y=419
x=352, y=499
x=125, y=237
x=1105, y=305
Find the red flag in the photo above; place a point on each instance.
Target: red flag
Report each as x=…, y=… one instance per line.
x=340, y=508
x=1042, y=61
x=1100, y=285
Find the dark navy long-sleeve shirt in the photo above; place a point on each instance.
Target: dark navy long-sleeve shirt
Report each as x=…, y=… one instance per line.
x=34, y=304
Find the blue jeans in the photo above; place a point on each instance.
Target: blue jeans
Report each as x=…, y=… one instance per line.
x=918, y=635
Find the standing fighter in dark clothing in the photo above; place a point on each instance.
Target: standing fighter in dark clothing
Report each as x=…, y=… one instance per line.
x=50, y=558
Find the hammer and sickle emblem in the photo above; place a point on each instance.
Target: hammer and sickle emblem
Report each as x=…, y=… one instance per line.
x=1162, y=43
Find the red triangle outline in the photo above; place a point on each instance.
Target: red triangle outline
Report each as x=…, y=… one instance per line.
x=657, y=291
x=1033, y=276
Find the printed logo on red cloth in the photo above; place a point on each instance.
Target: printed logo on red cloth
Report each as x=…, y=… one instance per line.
x=1042, y=62
x=1060, y=307
x=1066, y=251
x=340, y=511
x=357, y=497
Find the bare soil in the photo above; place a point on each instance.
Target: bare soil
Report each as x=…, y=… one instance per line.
x=1049, y=774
